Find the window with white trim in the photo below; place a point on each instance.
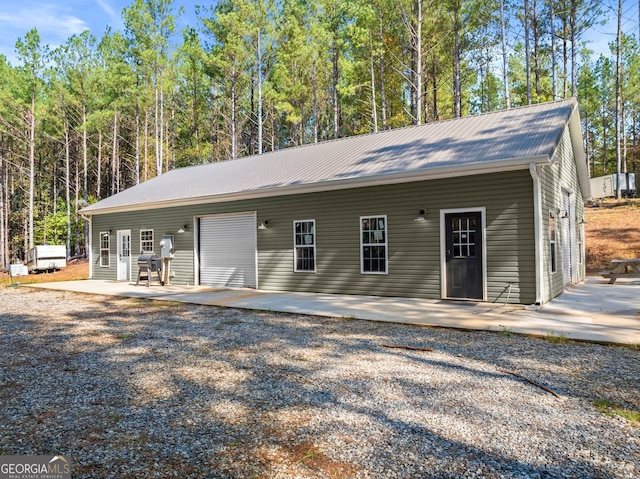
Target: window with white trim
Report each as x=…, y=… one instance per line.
x=373, y=244
x=304, y=242
x=146, y=241
x=105, y=250
x=552, y=241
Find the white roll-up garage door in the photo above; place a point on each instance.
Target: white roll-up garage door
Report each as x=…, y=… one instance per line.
x=228, y=251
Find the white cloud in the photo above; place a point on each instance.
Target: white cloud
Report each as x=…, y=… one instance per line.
x=46, y=18
x=108, y=9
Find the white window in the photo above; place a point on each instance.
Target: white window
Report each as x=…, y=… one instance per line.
x=373, y=244
x=552, y=241
x=304, y=242
x=146, y=241
x=105, y=242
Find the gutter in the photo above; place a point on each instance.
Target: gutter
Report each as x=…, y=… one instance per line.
x=478, y=168
x=537, y=206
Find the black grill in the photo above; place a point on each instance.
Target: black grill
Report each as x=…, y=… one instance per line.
x=148, y=264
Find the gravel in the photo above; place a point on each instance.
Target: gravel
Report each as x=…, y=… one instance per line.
x=134, y=388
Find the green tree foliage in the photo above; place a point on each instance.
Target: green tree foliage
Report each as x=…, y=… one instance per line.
x=98, y=115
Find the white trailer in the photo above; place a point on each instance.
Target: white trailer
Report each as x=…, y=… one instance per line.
x=46, y=258
x=605, y=186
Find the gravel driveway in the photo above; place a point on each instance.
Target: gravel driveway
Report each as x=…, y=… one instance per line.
x=130, y=388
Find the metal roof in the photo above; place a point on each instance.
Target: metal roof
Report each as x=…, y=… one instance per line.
x=490, y=142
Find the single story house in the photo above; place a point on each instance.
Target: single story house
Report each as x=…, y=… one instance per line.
x=479, y=208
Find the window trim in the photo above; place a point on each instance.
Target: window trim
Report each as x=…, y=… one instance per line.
x=152, y=240
x=553, y=241
x=296, y=247
x=385, y=244
x=103, y=235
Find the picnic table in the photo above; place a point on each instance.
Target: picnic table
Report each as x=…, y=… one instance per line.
x=623, y=268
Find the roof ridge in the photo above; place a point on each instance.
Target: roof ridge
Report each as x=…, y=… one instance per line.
x=399, y=129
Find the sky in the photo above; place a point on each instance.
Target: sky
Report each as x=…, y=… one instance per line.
x=57, y=20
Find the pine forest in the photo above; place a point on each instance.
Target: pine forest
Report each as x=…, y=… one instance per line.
x=90, y=118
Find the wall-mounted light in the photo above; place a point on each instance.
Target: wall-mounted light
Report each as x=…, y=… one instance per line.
x=565, y=216
x=183, y=228
x=420, y=216
x=582, y=222
x=264, y=225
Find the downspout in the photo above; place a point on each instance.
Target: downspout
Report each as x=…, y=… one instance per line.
x=88, y=245
x=537, y=222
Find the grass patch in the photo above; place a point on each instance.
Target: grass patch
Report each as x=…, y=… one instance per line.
x=506, y=332
x=231, y=321
x=73, y=272
x=559, y=338
x=124, y=336
x=154, y=303
x=610, y=408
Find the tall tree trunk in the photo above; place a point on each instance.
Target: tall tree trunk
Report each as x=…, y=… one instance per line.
x=146, y=146
x=234, y=130
x=77, y=199
x=554, y=67
x=619, y=98
x=161, y=154
x=32, y=165
x=457, y=90
x=527, y=50
x=114, y=156
x=137, y=166
x=314, y=84
x=374, y=108
x=565, y=54
x=85, y=167
x=67, y=184
x=334, y=88
x=99, y=169
x=3, y=231
x=505, y=56
x=574, y=49
x=156, y=133
x=434, y=87
x=536, y=47
x=383, y=98
x=418, y=84
x=260, y=123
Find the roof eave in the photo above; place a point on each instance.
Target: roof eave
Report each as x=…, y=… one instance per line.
x=478, y=168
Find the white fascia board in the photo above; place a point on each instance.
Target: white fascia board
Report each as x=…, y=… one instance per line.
x=479, y=168
x=577, y=143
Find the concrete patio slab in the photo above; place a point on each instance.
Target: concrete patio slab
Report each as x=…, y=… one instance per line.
x=592, y=311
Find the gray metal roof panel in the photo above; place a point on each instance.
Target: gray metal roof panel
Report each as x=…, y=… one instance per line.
x=517, y=133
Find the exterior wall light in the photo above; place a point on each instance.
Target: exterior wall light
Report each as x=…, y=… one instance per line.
x=420, y=216
x=264, y=225
x=183, y=228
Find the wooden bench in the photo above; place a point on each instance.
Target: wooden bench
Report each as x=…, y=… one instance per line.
x=624, y=268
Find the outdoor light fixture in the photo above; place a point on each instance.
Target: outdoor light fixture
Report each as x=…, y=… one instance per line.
x=264, y=225
x=420, y=216
x=582, y=222
x=565, y=216
x=183, y=228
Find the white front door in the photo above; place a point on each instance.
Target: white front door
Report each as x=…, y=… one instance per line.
x=124, y=255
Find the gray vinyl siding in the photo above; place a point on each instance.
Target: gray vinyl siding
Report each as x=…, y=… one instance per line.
x=413, y=247
x=561, y=173
x=165, y=221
